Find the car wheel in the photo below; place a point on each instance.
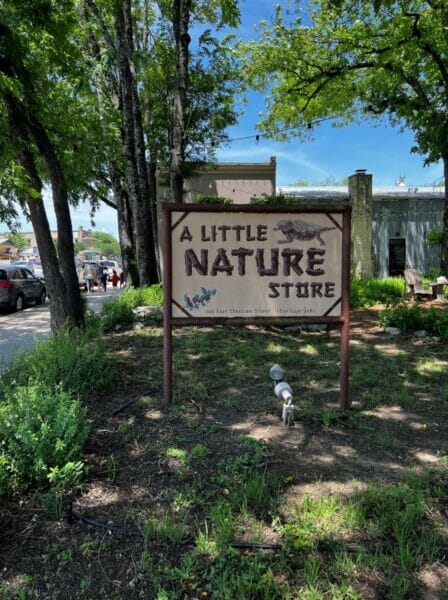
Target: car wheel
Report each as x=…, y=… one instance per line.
x=18, y=306
x=42, y=297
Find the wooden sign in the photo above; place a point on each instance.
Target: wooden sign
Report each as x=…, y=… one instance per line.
x=248, y=263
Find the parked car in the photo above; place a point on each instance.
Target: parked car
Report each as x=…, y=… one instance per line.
x=19, y=287
x=36, y=269
x=21, y=263
x=33, y=266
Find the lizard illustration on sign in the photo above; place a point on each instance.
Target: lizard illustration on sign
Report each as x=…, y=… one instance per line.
x=301, y=230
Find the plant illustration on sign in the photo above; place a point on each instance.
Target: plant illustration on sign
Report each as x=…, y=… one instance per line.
x=301, y=230
x=198, y=300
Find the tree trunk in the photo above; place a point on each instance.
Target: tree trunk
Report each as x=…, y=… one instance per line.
x=125, y=235
x=181, y=18
x=65, y=245
x=444, y=253
x=61, y=310
x=54, y=282
x=134, y=151
x=152, y=177
x=148, y=268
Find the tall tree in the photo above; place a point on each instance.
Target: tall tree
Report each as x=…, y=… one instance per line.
x=358, y=59
x=115, y=37
x=134, y=66
x=221, y=12
x=181, y=25
x=28, y=74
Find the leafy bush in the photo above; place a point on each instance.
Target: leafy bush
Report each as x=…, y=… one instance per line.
x=204, y=199
x=413, y=317
x=74, y=359
x=367, y=292
x=434, y=237
x=42, y=430
x=265, y=200
x=119, y=310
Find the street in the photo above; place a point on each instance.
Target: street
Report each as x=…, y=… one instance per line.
x=18, y=331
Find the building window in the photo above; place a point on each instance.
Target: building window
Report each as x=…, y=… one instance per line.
x=397, y=256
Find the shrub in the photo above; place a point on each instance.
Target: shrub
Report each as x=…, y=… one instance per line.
x=74, y=359
x=119, y=310
x=204, y=199
x=367, y=292
x=41, y=430
x=280, y=200
x=413, y=317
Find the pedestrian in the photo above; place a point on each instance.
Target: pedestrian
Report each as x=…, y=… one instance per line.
x=90, y=275
x=121, y=279
x=93, y=276
x=102, y=276
x=115, y=279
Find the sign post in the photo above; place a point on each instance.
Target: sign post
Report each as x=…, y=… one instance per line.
x=247, y=263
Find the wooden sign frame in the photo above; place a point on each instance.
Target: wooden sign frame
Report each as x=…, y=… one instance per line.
x=294, y=224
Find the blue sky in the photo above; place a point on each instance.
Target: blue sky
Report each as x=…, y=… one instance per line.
x=333, y=152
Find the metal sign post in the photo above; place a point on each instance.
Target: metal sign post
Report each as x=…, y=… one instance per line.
x=246, y=263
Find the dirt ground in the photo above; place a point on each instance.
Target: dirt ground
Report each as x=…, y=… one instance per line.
x=130, y=479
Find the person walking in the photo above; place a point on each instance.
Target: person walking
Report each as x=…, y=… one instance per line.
x=115, y=279
x=102, y=277
x=90, y=275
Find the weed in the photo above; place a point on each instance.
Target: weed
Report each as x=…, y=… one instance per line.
x=198, y=452
x=112, y=468
x=63, y=556
x=53, y=503
x=85, y=584
x=311, y=570
x=223, y=523
x=164, y=530
x=89, y=547
x=205, y=542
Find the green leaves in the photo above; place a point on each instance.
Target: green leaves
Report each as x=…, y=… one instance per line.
x=352, y=59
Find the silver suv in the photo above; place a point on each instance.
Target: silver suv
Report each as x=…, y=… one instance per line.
x=19, y=287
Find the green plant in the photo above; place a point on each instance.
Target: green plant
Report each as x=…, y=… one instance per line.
x=434, y=237
x=65, y=477
x=72, y=360
x=276, y=200
x=119, y=310
x=42, y=433
x=311, y=570
x=204, y=199
x=413, y=317
x=164, y=530
x=198, y=452
x=63, y=556
x=112, y=468
x=223, y=523
x=367, y=292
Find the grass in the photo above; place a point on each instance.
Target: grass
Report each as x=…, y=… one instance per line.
x=208, y=475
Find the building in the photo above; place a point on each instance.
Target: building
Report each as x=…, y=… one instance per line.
x=389, y=225
x=238, y=182
x=79, y=235
x=7, y=249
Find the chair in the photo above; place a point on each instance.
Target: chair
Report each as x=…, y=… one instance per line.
x=414, y=285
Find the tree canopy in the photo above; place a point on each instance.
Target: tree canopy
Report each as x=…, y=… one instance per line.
x=354, y=60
